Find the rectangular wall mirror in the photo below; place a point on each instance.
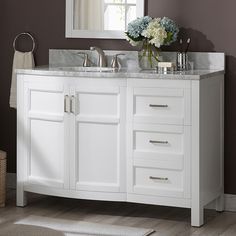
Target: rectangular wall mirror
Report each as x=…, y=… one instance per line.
x=106, y=19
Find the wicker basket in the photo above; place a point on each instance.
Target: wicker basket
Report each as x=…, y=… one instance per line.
x=3, y=170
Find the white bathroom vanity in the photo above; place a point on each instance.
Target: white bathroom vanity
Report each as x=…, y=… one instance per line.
x=130, y=136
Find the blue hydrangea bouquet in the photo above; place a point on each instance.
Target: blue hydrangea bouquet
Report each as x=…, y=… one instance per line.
x=151, y=34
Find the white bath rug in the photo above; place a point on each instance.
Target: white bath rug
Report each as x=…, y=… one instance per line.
x=82, y=228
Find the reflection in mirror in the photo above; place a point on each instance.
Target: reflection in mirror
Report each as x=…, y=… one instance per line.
x=106, y=19
x=100, y=15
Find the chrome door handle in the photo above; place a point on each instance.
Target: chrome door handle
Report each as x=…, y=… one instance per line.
x=66, y=99
x=72, y=104
x=158, y=178
x=158, y=142
x=160, y=106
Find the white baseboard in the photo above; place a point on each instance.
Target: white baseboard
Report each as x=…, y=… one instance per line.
x=230, y=203
x=230, y=200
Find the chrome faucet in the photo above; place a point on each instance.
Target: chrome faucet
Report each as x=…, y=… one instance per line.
x=101, y=56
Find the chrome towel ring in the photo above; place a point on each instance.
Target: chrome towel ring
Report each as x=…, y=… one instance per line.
x=27, y=34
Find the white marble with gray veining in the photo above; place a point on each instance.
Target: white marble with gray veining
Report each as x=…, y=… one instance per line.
x=122, y=74
x=70, y=58
x=201, y=60
x=67, y=62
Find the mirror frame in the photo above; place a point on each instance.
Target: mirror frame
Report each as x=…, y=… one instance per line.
x=108, y=34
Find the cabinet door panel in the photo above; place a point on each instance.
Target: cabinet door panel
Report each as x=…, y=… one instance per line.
x=98, y=156
x=42, y=101
x=95, y=104
x=47, y=152
x=47, y=132
x=99, y=143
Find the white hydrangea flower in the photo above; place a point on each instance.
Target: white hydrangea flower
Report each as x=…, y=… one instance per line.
x=155, y=33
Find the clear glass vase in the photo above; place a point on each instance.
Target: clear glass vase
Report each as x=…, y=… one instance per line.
x=148, y=57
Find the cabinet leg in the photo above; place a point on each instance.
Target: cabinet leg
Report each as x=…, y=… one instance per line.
x=220, y=203
x=197, y=216
x=21, y=197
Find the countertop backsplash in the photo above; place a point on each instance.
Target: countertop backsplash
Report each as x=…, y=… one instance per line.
x=201, y=60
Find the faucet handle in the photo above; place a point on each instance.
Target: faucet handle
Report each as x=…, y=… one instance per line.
x=115, y=61
x=86, y=62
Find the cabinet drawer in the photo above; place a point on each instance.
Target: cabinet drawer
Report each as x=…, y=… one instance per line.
x=160, y=182
x=161, y=146
x=161, y=105
x=159, y=141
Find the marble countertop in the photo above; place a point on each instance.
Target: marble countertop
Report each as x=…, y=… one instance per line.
x=122, y=74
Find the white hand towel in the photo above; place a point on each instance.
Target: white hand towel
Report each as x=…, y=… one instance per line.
x=22, y=60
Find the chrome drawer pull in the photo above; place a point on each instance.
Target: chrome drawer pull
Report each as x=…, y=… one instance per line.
x=160, y=106
x=158, y=178
x=158, y=142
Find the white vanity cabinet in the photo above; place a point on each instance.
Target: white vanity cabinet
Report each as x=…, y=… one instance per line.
x=71, y=137
x=151, y=141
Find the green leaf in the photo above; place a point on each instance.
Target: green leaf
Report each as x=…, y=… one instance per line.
x=140, y=38
x=169, y=37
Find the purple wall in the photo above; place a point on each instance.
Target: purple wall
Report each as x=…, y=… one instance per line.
x=210, y=23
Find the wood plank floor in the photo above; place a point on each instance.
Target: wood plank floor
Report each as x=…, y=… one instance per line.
x=166, y=221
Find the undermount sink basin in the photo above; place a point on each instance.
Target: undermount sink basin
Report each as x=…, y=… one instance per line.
x=87, y=69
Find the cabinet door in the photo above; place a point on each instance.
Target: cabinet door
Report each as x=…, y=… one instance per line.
x=99, y=138
x=46, y=126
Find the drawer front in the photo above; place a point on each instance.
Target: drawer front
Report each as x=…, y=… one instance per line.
x=162, y=146
x=161, y=182
x=158, y=141
x=161, y=105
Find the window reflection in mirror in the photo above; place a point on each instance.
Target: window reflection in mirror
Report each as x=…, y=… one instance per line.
x=100, y=15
